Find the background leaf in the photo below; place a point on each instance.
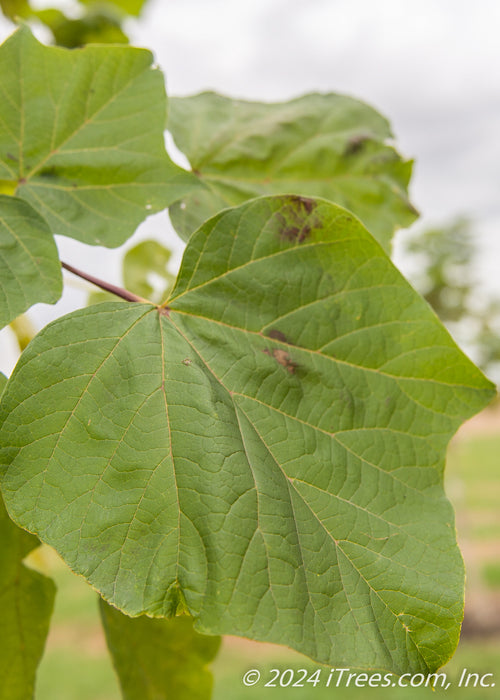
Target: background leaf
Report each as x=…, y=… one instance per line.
x=268, y=448
x=129, y=7
x=26, y=602
x=95, y=27
x=81, y=136
x=143, y=262
x=323, y=145
x=15, y=8
x=29, y=264
x=144, y=272
x=159, y=659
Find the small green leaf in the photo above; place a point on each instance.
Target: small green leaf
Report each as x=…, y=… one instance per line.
x=93, y=28
x=81, y=133
x=144, y=264
x=144, y=273
x=269, y=446
x=26, y=602
x=322, y=145
x=29, y=264
x=159, y=659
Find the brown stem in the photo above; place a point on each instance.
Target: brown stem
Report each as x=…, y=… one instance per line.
x=118, y=291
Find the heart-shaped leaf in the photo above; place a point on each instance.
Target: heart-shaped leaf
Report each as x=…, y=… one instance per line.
x=326, y=145
x=29, y=264
x=81, y=137
x=267, y=447
x=26, y=601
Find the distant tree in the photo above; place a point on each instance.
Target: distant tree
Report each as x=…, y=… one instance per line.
x=444, y=273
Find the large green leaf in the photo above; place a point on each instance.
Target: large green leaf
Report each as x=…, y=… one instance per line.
x=29, y=265
x=327, y=145
x=81, y=137
x=268, y=448
x=26, y=601
x=159, y=659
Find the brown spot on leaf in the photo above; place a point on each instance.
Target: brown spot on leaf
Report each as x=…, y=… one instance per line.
x=277, y=335
x=305, y=203
x=22, y=180
x=186, y=361
x=282, y=358
x=291, y=233
x=355, y=144
x=164, y=311
x=294, y=220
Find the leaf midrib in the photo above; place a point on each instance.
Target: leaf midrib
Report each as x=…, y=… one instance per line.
x=288, y=480
x=310, y=425
x=337, y=547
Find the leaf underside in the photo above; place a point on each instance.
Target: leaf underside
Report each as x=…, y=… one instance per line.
x=29, y=264
x=322, y=145
x=26, y=601
x=267, y=447
x=159, y=659
x=81, y=137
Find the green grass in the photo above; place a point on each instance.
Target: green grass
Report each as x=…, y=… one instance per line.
x=76, y=665
x=69, y=674
x=487, y=530
x=476, y=460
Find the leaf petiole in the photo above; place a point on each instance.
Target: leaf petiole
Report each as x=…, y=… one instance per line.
x=106, y=286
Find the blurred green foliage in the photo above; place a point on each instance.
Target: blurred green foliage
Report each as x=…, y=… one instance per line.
x=490, y=574
x=94, y=27
x=100, y=21
x=444, y=258
x=144, y=272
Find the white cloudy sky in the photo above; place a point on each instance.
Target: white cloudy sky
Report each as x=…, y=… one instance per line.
x=431, y=66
